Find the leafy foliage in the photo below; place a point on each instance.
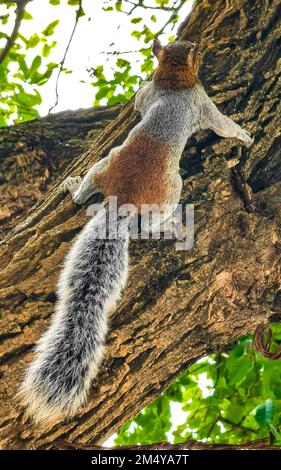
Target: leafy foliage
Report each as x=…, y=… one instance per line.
x=28, y=64
x=20, y=77
x=227, y=398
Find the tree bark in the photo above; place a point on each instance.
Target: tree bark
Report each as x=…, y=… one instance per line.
x=33, y=155
x=262, y=444
x=178, y=305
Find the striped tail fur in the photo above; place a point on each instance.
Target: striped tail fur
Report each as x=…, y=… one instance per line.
x=68, y=355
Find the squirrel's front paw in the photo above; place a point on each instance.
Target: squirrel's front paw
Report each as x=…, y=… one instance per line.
x=246, y=138
x=71, y=183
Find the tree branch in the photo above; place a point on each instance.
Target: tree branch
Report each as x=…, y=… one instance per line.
x=235, y=425
x=262, y=342
x=118, y=52
x=175, y=10
x=65, y=55
x=140, y=4
x=21, y=4
x=261, y=444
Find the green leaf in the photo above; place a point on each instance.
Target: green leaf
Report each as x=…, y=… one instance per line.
x=238, y=369
x=46, y=50
x=264, y=413
x=275, y=433
x=43, y=78
x=54, y=2
x=33, y=41
x=136, y=20
x=4, y=19
x=120, y=62
x=35, y=65
x=23, y=66
x=27, y=99
x=101, y=93
x=2, y=121
x=73, y=2
x=234, y=413
x=80, y=12
x=52, y=65
x=65, y=70
x=50, y=28
x=136, y=34
x=146, y=52
x=25, y=40
x=118, y=5
x=27, y=16
x=147, y=66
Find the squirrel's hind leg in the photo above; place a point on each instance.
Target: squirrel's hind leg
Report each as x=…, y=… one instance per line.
x=82, y=189
x=71, y=184
x=75, y=186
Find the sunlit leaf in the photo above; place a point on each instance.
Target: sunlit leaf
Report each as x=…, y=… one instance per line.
x=136, y=20
x=46, y=50
x=4, y=19
x=80, y=12
x=27, y=16
x=33, y=41
x=35, y=65
x=50, y=28
x=28, y=99
x=118, y=5
x=264, y=413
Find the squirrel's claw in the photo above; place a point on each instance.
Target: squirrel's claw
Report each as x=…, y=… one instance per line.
x=71, y=183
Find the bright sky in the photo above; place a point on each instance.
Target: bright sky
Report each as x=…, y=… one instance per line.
x=96, y=31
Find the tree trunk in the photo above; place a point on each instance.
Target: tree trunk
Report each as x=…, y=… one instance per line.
x=33, y=155
x=178, y=305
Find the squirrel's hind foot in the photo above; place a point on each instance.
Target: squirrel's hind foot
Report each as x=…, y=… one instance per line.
x=71, y=184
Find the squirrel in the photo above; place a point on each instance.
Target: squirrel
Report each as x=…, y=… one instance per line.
x=143, y=170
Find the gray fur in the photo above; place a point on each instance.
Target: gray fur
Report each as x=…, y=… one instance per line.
x=174, y=116
x=68, y=354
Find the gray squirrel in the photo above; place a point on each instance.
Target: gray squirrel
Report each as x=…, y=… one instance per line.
x=143, y=170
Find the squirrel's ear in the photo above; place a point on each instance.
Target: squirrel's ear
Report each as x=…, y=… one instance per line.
x=193, y=57
x=156, y=47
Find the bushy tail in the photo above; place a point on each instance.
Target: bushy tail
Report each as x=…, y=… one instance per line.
x=68, y=355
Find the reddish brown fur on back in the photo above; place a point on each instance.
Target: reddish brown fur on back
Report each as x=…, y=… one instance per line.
x=136, y=172
x=178, y=66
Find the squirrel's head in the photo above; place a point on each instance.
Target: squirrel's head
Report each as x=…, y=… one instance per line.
x=178, y=64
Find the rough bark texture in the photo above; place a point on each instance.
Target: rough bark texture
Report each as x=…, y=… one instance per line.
x=179, y=305
x=263, y=444
x=35, y=154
